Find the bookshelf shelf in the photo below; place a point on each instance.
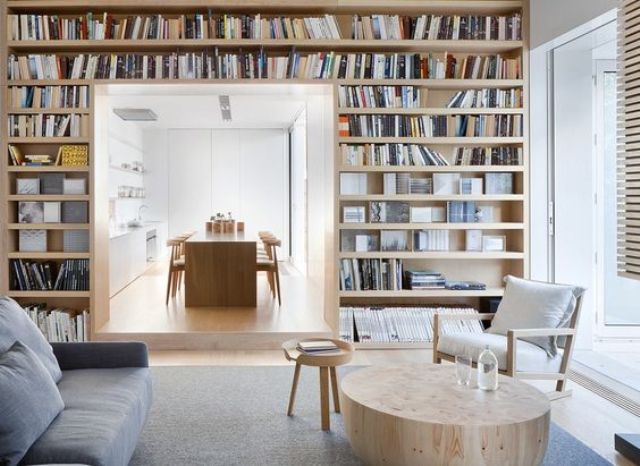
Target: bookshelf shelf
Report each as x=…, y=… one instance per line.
x=48, y=294
x=49, y=197
x=45, y=168
x=448, y=84
x=431, y=168
x=430, y=111
x=406, y=45
x=52, y=111
x=435, y=293
x=49, y=255
x=470, y=141
x=432, y=197
x=48, y=226
x=432, y=226
x=453, y=255
x=49, y=140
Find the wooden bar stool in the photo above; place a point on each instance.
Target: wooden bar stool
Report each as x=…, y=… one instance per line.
x=327, y=362
x=176, y=266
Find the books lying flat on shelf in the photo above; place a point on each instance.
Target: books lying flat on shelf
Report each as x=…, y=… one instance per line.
x=434, y=125
x=437, y=27
x=196, y=26
x=48, y=97
x=503, y=155
x=486, y=98
x=390, y=154
x=370, y=274
x=72, y=275
x=431, y=240
x=60, y=325
x=381, y=96
x=262, y=65
x=424, y=279
x=389, y=212
x=401, y=324
x=465, y=285
x=42, y=125
x=317, y=346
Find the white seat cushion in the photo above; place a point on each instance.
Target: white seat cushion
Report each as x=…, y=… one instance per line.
x=529, y=357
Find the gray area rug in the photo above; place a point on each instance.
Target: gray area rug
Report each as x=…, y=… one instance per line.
x=237, y=416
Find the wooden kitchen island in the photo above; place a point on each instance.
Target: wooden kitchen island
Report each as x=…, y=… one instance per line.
x=220, y=270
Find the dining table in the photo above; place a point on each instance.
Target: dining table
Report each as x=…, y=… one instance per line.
x=220, y=270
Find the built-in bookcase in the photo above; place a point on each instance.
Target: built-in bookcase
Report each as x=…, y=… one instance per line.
x=401, y=119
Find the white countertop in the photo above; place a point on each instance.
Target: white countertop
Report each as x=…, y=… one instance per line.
x=122, y=230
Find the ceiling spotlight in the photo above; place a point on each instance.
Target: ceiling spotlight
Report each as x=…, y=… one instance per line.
x=136, y=114
x=225, y=107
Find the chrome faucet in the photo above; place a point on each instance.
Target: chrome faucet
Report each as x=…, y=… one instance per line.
x=143, y=206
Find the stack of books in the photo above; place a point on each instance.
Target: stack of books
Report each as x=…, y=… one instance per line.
x=424, y=279
x=317, y=347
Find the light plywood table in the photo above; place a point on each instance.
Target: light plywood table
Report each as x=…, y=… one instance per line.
x=220, y=270
x=327, y=363
x=416, y=414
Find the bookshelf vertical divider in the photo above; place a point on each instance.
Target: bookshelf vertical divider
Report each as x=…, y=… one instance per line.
x=457, y=263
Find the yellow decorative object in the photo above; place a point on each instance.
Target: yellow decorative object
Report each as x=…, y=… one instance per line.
x=73, y=155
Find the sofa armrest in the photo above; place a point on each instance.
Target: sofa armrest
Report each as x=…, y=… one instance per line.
x=437, y=318
x=540, y=332
x=101, y=355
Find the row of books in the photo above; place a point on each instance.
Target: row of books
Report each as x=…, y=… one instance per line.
x=60, y=325
x=438, y=27
x=431, y=240
x=370, y=274
x=49, y=97
x=401, y=324
x=430, y=125
x=504, y=155
x=391, y=155
x=486, y=98
x=72, y=274
x=404, y=183
x=197, y=26
x=260, y=64
x=403, y=212
x=42, y=125
x=380, y=96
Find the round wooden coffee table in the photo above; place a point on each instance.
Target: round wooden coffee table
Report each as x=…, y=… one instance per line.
x=416, y=414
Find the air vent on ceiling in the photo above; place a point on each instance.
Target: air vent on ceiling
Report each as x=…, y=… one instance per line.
x=225, y=107
x=136, y=114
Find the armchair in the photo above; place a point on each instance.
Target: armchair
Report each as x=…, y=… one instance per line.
x=518, y=352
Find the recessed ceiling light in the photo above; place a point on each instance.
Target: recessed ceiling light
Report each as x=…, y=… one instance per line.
x=136, y=114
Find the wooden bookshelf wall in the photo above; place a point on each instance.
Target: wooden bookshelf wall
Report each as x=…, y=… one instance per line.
x=456, y=264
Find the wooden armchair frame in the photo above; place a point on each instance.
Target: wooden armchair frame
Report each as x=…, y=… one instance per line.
x=512, y=336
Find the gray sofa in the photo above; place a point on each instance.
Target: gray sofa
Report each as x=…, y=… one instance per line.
x=106, y=389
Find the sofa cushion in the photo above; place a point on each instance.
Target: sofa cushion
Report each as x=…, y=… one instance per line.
x=529, y=358
x=529, y=304
x=29, y=401
x=104, y=415
x=15, y=325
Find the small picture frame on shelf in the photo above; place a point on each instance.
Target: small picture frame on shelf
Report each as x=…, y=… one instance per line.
x=493, y=243
x=31, y=212
x=353, y=214
x=28, y=186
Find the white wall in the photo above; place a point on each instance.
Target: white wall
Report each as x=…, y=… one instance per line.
x=299, y=230
x=124, y=145
x=156, y=178
x=552, y=18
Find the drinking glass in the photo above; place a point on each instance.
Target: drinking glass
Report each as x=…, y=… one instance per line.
x=463, y=370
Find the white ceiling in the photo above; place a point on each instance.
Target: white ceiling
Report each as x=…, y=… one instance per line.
x=197, y=106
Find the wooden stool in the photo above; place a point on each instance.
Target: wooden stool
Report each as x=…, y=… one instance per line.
x=176, y=266
x=269, y=264
x=327, y=363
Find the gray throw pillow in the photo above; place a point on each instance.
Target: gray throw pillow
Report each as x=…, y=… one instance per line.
x=529, y=304
x=15, y=325
x=30, y=400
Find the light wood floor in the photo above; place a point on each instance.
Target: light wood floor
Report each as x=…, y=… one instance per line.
x=585, y=415
x=140, y=308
